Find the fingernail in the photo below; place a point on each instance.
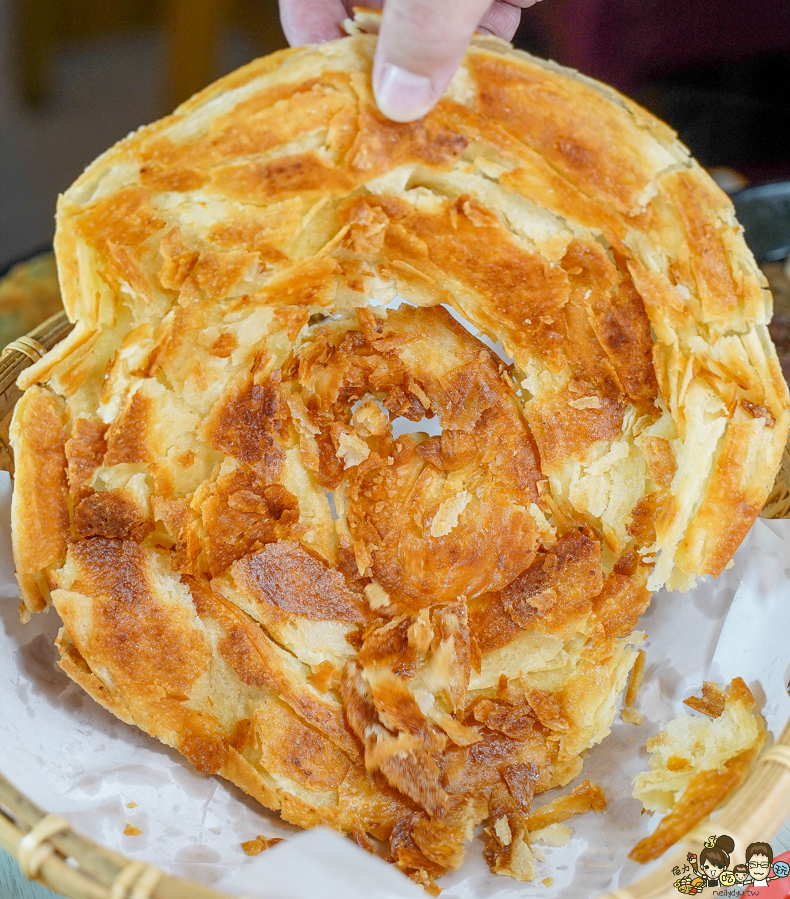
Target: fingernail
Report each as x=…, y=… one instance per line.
x=403, y=96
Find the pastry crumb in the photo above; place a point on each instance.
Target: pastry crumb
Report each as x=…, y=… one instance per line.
x=631, y=716
x=256, y=846
x=553, y=835
x=131, y=805
x=131, y=831
x=548, y=881
x=712, y=701
x=636, y=679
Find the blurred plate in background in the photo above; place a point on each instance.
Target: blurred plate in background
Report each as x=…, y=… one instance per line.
x=764, y=212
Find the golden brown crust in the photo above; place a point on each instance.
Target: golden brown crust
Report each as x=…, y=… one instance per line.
x=85, y=451
x=144, y=638
x=283, y=575
x=508, y=850
x=79, y=671
x=112, y=514
x=259, y=662
x=40, y=505
x=451, y=636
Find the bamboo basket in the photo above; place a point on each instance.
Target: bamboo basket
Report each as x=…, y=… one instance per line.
x=48, y=850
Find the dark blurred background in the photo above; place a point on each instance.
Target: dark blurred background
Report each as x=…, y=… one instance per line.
x=76, y=75
x=717, y=70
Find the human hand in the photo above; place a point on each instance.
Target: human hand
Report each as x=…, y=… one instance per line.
x=421, y=42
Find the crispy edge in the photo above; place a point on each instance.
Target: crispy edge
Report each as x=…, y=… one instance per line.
x=705, y=792
x=580, y=800
x=39, y=509
x=75, y=666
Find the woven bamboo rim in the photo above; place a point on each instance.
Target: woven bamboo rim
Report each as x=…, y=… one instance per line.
x=43, y=843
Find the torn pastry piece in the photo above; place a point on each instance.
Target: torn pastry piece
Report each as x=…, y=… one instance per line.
x=697, y=762
x=587, y=796
x=508, y=850
x=629, y=714
x=713, y=700
x=424, y=847
x=512, y=826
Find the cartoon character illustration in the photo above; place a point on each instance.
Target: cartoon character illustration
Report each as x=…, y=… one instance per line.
x=781, y=869
x=759, y=858
x=689, y=885
x=711, y=870
x=714, y=859
x=741, y=873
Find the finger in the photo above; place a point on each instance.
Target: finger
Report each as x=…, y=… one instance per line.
x=421, y=43
x=503, y=17
x=311, y=21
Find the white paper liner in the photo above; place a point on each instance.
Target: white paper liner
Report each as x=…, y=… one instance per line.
x=75, y=759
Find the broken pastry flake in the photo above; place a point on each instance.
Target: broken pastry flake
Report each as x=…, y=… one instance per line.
x=582, y=799
x=259, y=844
x=697, y=762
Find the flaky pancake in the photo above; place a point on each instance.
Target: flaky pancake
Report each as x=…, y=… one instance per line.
x=447, y=636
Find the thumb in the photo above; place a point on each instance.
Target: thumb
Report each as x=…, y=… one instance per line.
x=421, y=43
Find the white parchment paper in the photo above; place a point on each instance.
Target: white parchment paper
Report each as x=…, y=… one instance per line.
x=75, y=759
